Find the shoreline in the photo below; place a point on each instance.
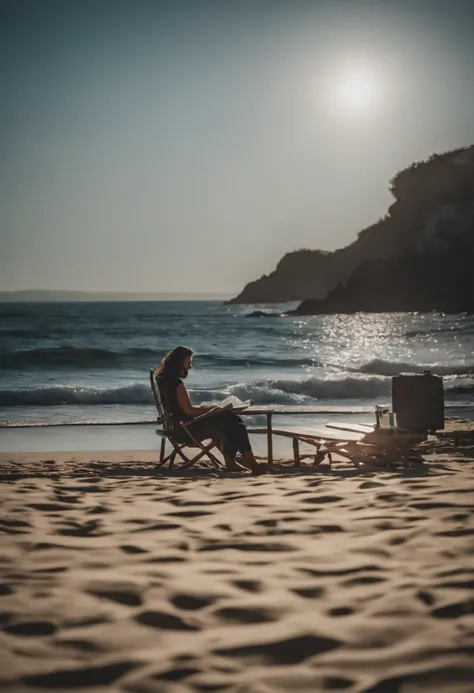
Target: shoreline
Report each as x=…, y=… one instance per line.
x=112, y=458
x=106, y=437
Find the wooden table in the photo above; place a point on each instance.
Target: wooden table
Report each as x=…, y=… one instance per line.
x=332, y=433
x=258, y=411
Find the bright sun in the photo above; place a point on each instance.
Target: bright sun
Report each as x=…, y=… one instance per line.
x=357, y=91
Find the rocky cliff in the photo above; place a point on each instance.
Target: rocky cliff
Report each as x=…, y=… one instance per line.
x=422, y=282
x=409, y=260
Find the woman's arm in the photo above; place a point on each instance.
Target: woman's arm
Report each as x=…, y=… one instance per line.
x=185, y=403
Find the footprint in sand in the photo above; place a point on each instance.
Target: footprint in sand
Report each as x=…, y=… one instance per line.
x=331, y=528
x=82, y=645
x=30, y=628
x=191, y=602
x=157, y=526
x=76, y=529
x=14, y=526
x=266, y=547
x=63, y=498
x=52, y=569
x=341, y=611
x=456, y=610
x=81, y=676
x=287, y=651
x=166, y=559
x=175, y=674
x=247, y=615
x=89, y=489
x=266, y=523
x=130, y=548
x=309, y=592
x=426, y=597
x=459, y=584
x=163, y=620
x=253, y=586
x=324, y=499
x=122, y=593
x=363, y=580
x=53, y=507
x=456, y=533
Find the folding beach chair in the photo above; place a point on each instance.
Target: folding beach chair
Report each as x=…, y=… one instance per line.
x=168, y=431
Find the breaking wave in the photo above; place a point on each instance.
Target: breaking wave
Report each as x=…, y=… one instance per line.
x=290, y=392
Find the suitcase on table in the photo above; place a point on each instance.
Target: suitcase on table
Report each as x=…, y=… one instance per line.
x=418, y=401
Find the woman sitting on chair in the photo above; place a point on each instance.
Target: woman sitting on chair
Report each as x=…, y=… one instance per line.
x=224, y=424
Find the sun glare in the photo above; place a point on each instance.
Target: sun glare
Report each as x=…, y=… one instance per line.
x=357, y=92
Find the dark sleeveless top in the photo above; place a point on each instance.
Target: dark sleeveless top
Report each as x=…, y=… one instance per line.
x=168, y=386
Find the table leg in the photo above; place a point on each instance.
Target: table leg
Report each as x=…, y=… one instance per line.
x=269, y=439
x=296, y=452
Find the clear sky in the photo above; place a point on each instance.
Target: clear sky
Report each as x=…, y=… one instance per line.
x=187, y=145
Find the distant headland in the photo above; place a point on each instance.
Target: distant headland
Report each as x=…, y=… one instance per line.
x=45, y=296
x=419, y=257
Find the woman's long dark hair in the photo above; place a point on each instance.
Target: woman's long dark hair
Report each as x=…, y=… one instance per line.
x=172, y=363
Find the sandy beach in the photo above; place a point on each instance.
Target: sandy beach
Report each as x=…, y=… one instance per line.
x=119, y=577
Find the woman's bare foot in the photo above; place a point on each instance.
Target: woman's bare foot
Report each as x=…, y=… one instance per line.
x=259, y=469
x=234, y=467
x=263, y=468
x=248, y=459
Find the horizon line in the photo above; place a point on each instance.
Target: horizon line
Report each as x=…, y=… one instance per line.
x=71, y=294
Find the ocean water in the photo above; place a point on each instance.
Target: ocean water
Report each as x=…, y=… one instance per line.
x=88, y=363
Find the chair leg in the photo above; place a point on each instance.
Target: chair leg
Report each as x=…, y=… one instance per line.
x=172, y=456
x=207, y=451
x=162, y=462
x=213, y=459
x=193, y=461
x=179, y=451
x=168, y=458
x=204, y=451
